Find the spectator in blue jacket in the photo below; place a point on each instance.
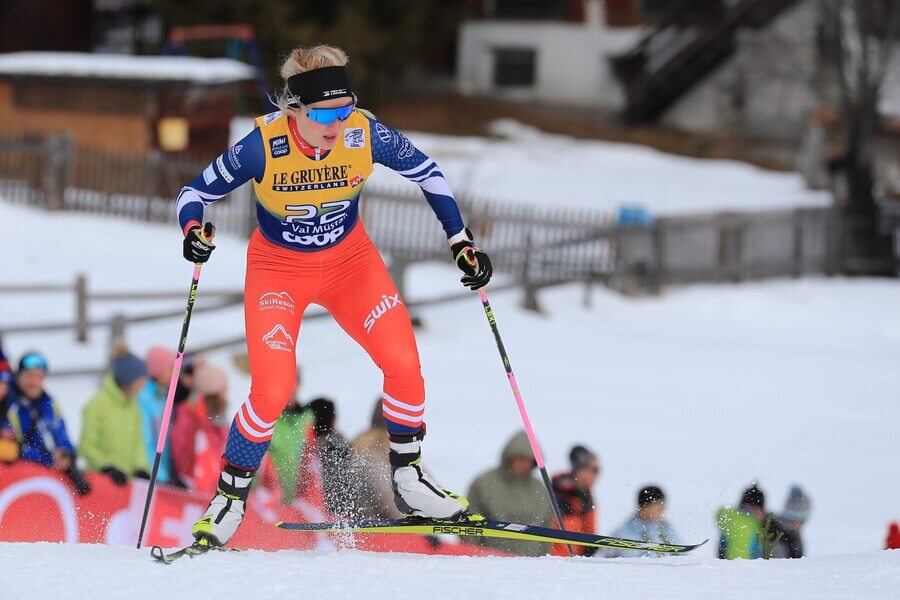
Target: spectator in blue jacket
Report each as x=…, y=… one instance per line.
x=152, y=400
x=648, y=524
x=38, y=423
x=9, y=447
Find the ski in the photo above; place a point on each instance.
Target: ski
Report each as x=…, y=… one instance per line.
x=476, y=526
x=195, y=549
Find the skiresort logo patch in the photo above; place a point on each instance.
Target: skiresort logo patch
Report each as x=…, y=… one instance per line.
x=276, y=301
x=354, y=138
x=279, y=339
x=386, y=304
x=279, y=146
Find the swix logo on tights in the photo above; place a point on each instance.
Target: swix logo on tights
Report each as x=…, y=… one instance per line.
x=386, y=304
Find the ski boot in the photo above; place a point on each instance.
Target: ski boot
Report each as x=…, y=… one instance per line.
x=226, y=510
x=415, y=493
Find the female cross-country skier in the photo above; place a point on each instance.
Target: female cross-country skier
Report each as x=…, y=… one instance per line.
x=308, y=163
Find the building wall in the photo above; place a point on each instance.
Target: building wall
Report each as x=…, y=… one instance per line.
x=128, y=134
x=571, y=65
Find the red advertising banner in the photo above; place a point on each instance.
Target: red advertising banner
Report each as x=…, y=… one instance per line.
x=39, y=504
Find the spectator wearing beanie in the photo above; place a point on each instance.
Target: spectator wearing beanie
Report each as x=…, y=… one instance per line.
x=339, y=485
x=200, y=430
x=112, y=437
x=790, y=524
x=9, y=447
x=740, y=527
x=648, y=524
x=576, y=500
x=152, y=402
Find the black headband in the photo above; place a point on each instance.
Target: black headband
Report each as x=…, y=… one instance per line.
x=319, y=84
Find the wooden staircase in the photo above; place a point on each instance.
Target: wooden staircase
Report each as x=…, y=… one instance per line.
x=678, y=52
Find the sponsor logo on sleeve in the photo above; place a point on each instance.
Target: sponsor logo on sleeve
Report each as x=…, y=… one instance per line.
x=354, y=137
x=267, y=120
x=276, y=301
x=279, y=339
x=279, y=146
x=228, y=177
x=384, y=134
x=233, y=156
x=209, y=174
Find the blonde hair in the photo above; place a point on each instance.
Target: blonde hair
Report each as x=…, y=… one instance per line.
x=303, y=59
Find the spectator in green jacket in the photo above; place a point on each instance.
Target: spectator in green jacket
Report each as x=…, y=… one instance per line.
x=509, y=492
x=112, y=438
x=741, y=528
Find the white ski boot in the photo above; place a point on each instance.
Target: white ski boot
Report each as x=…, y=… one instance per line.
x=226, y=510
x=415, y=493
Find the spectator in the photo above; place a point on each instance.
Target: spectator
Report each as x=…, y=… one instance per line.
x=185, y=388
x=740, y=528
x=375, y=499
x=112, y=439
x=287, y=461
x=510, y=493
x=152, y=402
x=9, y=447
x=790, y=524
x=338, y=479
x=893, y=538
x=38, y=424
x=200, y=429
x=573, y=492
x=648, y=524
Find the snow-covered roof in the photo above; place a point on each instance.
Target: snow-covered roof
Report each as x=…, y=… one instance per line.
x=120, y=66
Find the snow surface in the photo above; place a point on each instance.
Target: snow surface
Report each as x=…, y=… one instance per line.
x=93, y=571
x=524, y=165
x=121, y=66
x=701, y=390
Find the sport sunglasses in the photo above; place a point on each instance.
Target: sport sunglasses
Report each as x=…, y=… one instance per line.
x=327, y=116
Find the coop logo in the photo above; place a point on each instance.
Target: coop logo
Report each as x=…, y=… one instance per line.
x=276, y=301
x=354, y=138
x=386, y=304
x=279, y=146
x=279, y=339
x=384, y=134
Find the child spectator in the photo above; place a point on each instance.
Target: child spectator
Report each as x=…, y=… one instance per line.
x=339, y=482
x=740, y=528
x=152, y=402
x=648, y=524
x=200, y=430
x=790, y=523
x=9, y=448
x=112, y=439
x=509, y=492
x=573, y=491
x=38, y=424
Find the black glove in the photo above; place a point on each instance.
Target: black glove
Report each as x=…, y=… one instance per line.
x=473, y=262
x=117, y=476
x=198, y=243
x=82, y=487
x=141, y=474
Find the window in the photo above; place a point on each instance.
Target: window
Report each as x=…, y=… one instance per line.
x=514, y=67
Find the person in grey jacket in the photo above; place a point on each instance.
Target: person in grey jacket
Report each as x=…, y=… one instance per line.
x=509, y=492
x=648, y=524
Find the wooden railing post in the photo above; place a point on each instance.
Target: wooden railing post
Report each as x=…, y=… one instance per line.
x=530, y=301
x=81, y=308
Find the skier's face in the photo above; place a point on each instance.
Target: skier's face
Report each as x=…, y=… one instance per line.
x=319, y=134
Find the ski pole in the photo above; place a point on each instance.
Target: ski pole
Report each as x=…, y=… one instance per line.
x=208, y=232
x=529, y=430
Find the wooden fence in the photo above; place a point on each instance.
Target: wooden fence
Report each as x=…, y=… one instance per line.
x=537, y=246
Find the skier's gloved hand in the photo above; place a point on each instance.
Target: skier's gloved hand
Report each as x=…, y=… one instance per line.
x=198, y=243
x=117, y=476
x=471, y=260
x=81, y=485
